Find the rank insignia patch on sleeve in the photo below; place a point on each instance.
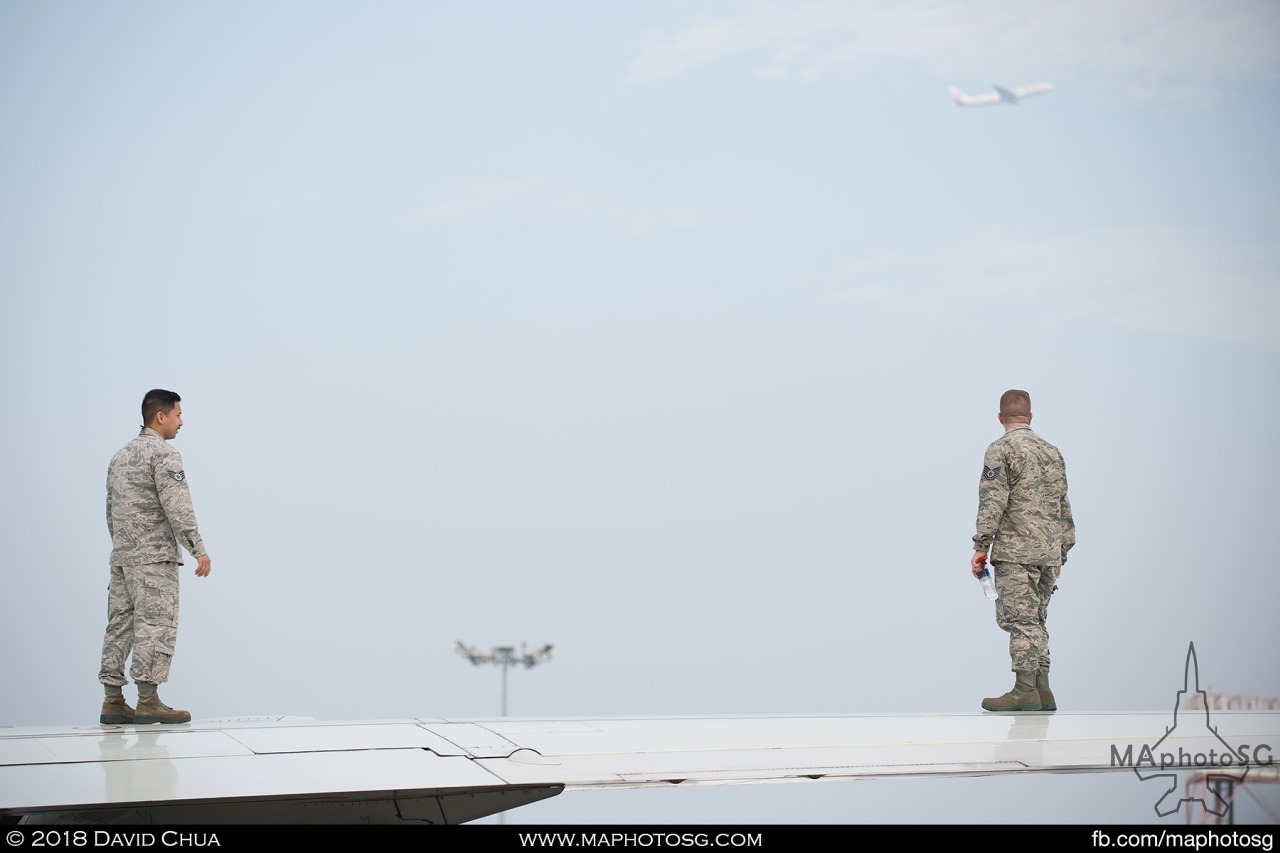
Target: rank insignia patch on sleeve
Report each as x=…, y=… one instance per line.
x=990, y=473
x=178, y=476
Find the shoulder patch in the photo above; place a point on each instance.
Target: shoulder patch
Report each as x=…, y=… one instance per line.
x=991, y=473
x=177, y=476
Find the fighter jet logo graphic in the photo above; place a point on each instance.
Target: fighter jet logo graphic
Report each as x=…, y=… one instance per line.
x=1226, y=763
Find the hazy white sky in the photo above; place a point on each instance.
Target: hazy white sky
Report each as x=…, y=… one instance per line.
x=668, y=333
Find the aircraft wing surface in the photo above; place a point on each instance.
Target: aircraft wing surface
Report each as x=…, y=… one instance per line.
x=438, y=771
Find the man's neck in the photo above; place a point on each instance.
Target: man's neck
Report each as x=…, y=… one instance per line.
x=1013, y=423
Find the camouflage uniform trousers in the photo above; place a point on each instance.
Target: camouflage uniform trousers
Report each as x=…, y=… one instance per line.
x=142, y=618
x=1022, y=608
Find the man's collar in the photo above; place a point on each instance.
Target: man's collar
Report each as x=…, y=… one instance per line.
x=149, y=431
x=1017, y=426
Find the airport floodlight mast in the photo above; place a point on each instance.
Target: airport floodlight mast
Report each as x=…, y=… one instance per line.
x=506, y=657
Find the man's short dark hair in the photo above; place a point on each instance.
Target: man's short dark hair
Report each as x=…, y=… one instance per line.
x=158, y=400
x=1015, y=403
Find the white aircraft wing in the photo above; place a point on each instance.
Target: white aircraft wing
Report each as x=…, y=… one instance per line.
x=440, y=771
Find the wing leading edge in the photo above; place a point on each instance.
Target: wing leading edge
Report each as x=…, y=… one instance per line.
x=438, y=771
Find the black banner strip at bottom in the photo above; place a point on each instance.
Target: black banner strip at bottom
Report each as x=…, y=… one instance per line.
x=607, y=837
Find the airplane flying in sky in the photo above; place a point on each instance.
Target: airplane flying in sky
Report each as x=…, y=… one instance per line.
x=1001, y=95
x=442, y=771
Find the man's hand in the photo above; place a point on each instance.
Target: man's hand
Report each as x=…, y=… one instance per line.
x=203, y=566
x=978, y=563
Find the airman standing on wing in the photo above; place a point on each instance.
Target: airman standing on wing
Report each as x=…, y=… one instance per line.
x=1025, y=528
x=149, y=517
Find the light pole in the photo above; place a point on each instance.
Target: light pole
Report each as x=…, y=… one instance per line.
x=504, y=656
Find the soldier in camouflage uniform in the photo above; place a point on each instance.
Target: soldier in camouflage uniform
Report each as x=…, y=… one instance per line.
x=1025, y=526
x=149, y=513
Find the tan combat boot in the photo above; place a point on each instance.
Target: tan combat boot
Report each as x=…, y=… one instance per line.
x=115, y=711
x=152, y=710
x=1047, y=702
x=1023, y=696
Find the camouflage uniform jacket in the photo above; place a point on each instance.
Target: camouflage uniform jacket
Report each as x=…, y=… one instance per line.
x=148, y=504
x=1023, y=512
